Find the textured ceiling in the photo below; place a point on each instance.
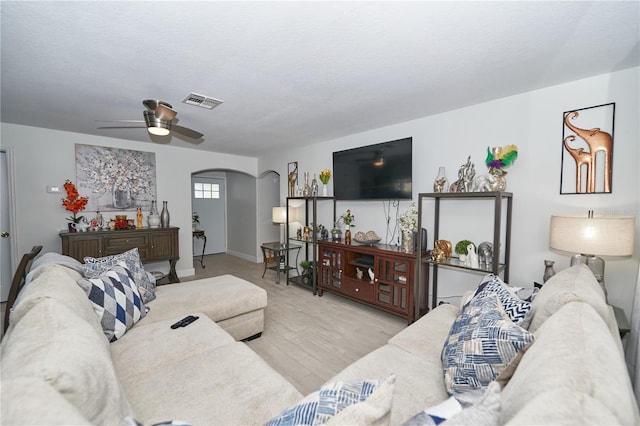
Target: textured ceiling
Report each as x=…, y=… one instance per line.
x=293, y=73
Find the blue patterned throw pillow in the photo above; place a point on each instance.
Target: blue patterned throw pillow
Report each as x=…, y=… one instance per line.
x=115, y=299
x=93, y=267
x=346, y=402
x=515, y=307
x=482, y=342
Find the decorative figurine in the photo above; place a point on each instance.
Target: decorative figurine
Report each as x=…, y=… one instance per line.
x=485, y=253
x=139, y=218
x=466, y=173
x=472, y=256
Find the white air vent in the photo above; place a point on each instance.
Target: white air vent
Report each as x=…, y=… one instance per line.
x=201, y=101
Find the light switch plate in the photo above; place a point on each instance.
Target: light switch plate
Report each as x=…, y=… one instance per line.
x=54, y=189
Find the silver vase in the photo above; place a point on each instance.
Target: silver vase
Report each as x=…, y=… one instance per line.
x=164, y=216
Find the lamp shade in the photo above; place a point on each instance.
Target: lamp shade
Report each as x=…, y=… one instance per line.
x=597, y=235
x=279, y=215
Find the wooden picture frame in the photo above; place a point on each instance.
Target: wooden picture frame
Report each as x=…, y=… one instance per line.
x=587, y=150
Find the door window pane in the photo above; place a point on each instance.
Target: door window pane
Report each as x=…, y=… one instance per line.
x=206, y=190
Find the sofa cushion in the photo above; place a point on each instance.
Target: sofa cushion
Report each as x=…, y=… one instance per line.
x=419, y=380
x=514, y=307
x=475, y=407
x=342, y=402
x=33, y=401
x=54, y=281
x=94, y=267
x=482, y=342
x=575, y=284
x=115, y=299
x=221, y=297
x=574, y=356
x=426, y=336
x=148, y=348
x=227, y=385
x=52, y=343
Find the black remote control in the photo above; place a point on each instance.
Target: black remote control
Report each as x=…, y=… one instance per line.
x=184, y=321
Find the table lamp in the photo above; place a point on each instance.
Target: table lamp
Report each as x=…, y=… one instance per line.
x=279, y=216
x=592, y=236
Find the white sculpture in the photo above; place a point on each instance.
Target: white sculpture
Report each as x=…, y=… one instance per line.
x=371, y=274
x=472, y=256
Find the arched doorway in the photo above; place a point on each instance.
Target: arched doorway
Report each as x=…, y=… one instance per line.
x=240, y=218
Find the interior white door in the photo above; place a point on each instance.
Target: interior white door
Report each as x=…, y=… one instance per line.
x=212, y=215
x=5, y=244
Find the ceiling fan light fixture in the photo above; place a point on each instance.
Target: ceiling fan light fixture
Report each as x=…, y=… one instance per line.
x=379, y=160
x=155, y=126
x=158, y=131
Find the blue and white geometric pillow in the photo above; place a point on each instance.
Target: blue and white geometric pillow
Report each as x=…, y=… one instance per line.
x=320, y=406
x=482, y=342
x=93, y=267
x=115, y=299
x=515, y=307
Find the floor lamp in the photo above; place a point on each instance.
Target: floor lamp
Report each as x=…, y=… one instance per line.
x=592, y=236
x=279, y=216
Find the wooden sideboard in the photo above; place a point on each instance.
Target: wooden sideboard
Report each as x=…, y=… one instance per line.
x=154, y=244
x=344, y=270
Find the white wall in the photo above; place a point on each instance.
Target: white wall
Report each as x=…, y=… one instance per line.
x=533, y=121
x=47, y=157
x=241, y=222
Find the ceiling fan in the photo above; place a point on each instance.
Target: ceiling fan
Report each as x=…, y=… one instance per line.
x=158, y=118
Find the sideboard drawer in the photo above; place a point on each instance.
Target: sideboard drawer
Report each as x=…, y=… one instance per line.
x=115, y=244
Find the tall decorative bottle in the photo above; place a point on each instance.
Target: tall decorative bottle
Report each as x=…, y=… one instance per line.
x=314, y=186
x=441, y=184
x=307, y=188
x=164, y=216
x=347, y=235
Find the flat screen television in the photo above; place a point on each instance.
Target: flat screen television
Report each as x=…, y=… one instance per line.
x=374, y=172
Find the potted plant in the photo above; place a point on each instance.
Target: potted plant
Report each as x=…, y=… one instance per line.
x=461, y=249
x=195, y=220
x=73, y=203
x=306, y=271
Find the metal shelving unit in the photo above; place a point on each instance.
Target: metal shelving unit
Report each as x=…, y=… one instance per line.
x=309, y=203
x=496, y=267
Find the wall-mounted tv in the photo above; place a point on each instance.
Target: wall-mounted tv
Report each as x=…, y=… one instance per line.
x=374, y=172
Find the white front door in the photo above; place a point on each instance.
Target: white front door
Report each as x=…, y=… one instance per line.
x=210, y=204
x=5, y=243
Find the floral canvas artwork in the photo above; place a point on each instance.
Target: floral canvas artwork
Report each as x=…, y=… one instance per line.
x=115, y=179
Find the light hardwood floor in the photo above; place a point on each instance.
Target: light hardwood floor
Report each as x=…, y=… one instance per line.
x=308, y=339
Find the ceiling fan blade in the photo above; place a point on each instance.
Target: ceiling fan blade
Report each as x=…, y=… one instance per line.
x=121, y=127
x=119, y=121
x=190, y=133
x=164, y=112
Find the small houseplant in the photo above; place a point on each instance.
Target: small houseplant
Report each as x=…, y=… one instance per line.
x=195, y=219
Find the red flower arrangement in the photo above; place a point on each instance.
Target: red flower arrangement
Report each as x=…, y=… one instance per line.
x=74, y=202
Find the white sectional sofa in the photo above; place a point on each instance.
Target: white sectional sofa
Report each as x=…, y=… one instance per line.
x=58, y=368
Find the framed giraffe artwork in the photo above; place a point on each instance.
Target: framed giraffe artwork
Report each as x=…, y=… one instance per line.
x=587, y=150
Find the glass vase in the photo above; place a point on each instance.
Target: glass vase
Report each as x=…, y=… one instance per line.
x=407, y=241
x=548, y=270
x=347, y=235
x=441, y=184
